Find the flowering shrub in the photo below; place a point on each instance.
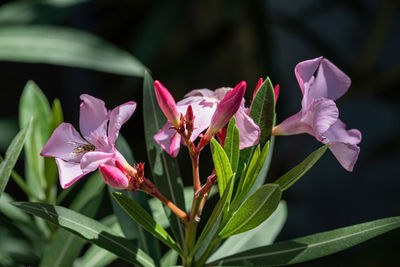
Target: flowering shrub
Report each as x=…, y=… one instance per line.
x=241, y=140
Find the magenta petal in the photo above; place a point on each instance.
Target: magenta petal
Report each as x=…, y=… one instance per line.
x=118, y=117
x=93, y=118
x=62, y=143
x=91, y=160
x=346, y=154
x=249, y=131
x=69, y=172
x=168, y=139
x=321, y=115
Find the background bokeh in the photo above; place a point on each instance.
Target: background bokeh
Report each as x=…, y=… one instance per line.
x=209, y=44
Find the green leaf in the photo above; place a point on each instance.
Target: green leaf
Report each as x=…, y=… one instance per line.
x=88, y=229
x=34, y=104
x=263, y=110
x=289, y=178
x=65, y=47
x=169, y=259
x=313, y=246
x=254, y=210
x=137, y=213
x=12, y=154
x=165, y=170
x=262, y=235
x=232, y=142
x=221, y=165
x=131, y=229
x=213, y=222
x=96, y=256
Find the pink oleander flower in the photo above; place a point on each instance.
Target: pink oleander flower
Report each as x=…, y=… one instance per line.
x=204, y=103
x=77, y=156
x=321, y=83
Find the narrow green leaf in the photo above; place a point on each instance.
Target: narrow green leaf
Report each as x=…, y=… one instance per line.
x=212, y=223
x=254, y=210
x=33, y=103
x=232, y=142
x=262, y=235
x=169, y=259
x=312, y=246
x=131, y=229
x=137, y=213
x=88, y=229
x=221, y=165
x=12, y=154
x=263, y=110
x=165, y=170
x=289, y=178
x=65, y=47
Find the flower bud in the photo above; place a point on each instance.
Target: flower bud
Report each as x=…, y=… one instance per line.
x=259, y=83
x=276, y=92
x=167, y=103
x=113, y=176
x=226, y=109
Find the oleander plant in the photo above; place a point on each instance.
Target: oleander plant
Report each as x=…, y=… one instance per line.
x=155, y=220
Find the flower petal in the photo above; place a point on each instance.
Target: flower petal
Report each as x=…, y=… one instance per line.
x=292, y=125
x=338, y=133
x=91, y=160
x=248, y=130
x=93, y=119
x=168, y=139
x=69, y=172
x=305, y=70
x=200, y=92
x=113, y=176
x=346, y=154
x=118, y=117
x=62, y=143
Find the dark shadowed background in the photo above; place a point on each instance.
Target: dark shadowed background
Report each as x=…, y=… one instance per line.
x=210, y=44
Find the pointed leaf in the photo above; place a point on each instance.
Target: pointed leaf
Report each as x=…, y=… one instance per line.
x=144, y=219
x=312, y=246
x=65, y=47
x=165, y=170
x=169, y=259
x=88, y=229
x=221, y=165
x=254, y=210
x=12, y=154
x=289, y=178
x=232, y=142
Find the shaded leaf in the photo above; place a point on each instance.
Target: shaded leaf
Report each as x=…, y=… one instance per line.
x=232, y=142
x=221, y=165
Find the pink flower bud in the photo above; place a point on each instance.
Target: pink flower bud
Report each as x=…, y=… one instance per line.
x=259, y=83
x=226, y=109
x=167, y=103
x=276, y=92
x=113, y=176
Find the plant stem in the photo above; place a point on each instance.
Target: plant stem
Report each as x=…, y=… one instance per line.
x=180, y=213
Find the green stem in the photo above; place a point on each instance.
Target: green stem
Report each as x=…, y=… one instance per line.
x=202, y=260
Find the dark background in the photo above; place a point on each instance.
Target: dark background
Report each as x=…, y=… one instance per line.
x=210, y=44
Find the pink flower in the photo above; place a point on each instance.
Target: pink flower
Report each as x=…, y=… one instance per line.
x=321, y=83
x=113, y=176
x=166, y=103
x=204, y=104
x=77, y=156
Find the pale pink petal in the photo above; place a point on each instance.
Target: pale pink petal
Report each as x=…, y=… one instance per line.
x=321, y=115
x=328, y=81
x=168, y=139
x=68, y=172
x=93, y=119
x=305, y=70
x=249, y=131
x=113, y=176
x=62, y=143
x=338, y=133
x=346, y=154
x=200, y=92
x=118, y=117
x=91, y=160
x=292, y=125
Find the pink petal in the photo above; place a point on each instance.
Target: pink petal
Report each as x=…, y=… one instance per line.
x=346, y=154
x=321, y=115
x=93, y=119
x=167, y=103
x=200, y=92
x=338, y=133
x=113, y=176
x=62, y=143
x=305, y=70
x=292, y=125
x=328, y=81
x=168, y=139
x=69, y=172
x=249, y=131
x=118, y=117
x=91, y=160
